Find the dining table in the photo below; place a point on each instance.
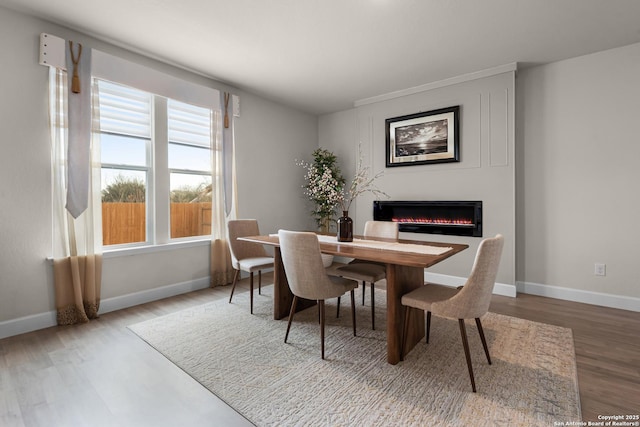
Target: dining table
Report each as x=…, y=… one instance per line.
x=405, y=261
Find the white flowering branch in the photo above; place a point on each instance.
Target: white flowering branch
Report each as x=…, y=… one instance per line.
x=361, y=184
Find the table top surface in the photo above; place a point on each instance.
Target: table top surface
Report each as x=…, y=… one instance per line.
x=399, y=252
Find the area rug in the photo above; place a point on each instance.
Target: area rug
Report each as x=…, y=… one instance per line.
x=243, y=359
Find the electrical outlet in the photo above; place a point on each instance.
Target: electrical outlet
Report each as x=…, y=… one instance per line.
x=600, y=269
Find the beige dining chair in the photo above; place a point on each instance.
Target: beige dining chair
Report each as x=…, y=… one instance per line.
x=470, y=301
x=308, y=278
x=247, y=256
x=369, y=271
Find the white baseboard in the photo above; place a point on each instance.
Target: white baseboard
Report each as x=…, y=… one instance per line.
x=578, y=295
x=454, y=281
x=21, y=325
x=137, y=298
x=34, y=322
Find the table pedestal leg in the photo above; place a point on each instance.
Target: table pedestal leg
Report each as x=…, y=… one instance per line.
x=401, y=280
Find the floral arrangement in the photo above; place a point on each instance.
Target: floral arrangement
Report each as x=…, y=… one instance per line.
x=324, y=186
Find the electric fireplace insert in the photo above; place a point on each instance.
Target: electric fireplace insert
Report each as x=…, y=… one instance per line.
x=457, y=218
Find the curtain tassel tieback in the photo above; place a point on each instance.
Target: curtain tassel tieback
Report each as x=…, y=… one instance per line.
x=75, y=80
x=226, y=110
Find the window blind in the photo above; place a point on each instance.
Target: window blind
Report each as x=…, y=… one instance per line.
x=124, y=110
x=189, y=124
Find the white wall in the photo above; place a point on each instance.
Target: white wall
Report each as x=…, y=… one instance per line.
x=269, y=137
x=485, y=171
x=578, y=144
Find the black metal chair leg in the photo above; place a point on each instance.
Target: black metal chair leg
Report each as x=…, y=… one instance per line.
x=428, y=326
x=251, y=290
x=353, y=311
x=321, y=305
x=373, y=311
x=465, y=344
x=259, y=282
x=484, y=341
x=291, y=313
x=405, y=331
x=364, y=290
x=338, y=308
x=233, y=287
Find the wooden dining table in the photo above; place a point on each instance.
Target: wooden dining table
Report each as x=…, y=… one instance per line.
x=405, y=261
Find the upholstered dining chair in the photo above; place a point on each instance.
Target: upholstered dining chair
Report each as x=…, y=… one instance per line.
x=368, y=271
x=247, y=256
x=308, y=278
x=470, y=301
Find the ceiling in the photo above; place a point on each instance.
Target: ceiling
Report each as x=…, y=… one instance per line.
x=322, y=55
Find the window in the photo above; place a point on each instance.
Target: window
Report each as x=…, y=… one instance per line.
x=189, y=131
x=156, y=166
x=125, y=143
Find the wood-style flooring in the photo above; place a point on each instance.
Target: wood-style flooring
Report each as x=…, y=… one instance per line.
x=101, y=374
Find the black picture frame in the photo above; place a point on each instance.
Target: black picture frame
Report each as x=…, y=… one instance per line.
x=423, y=138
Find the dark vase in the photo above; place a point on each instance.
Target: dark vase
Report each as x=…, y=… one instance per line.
x=345, y=228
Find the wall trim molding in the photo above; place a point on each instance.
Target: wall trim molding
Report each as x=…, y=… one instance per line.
x=454, y=281
x=557, y=292
x=21, y=325
x=35, y=322
x=511, y=67
x=578, y=295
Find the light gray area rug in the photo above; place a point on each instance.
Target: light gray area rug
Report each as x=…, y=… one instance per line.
x=243, y=359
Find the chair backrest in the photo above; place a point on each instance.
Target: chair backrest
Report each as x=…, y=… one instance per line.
x=303, y=266
x=474, y=298
x=383, y=229
x=243, y=250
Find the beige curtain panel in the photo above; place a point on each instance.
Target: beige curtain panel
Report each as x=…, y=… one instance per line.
x=221, y=268
x=77, y=240
x=77, y=282
x=223, y=194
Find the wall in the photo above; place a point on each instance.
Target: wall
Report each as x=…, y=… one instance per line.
x=578, y=200
x=269, y=137
x=486, y=171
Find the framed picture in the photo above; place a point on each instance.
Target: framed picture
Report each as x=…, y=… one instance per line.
x=423, y=138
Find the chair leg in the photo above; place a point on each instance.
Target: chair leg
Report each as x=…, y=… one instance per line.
x=233, y=287
x=338, y=308
x=428, y=326
x=353, y=311
x=465, y=344
x=251, y=290
x=373, y=310
x=291, y=313
x=321, y=305
x=405, y=331
x=484, y=341
x=259, y=282
x=364, y=290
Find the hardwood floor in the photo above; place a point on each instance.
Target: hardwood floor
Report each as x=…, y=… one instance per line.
x=607, y=345
x=101, y=374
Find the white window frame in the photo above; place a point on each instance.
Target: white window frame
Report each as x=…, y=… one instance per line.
x=118, y=70
x=158, y=173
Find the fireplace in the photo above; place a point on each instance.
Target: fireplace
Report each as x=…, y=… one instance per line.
x=458, y=218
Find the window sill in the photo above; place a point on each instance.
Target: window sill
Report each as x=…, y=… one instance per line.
x=139, y=250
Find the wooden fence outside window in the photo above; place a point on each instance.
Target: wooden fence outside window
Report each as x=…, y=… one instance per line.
x=126, y=222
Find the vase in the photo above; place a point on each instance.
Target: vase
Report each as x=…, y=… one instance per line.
x=345, y=228
x=325, y=225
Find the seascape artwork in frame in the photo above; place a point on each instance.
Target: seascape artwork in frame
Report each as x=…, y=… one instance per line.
x=423, y=138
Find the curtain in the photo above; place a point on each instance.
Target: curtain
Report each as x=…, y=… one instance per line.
x=77, y=241
x=224, y=201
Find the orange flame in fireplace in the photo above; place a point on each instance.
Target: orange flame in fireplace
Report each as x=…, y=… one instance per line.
x=433, y=221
